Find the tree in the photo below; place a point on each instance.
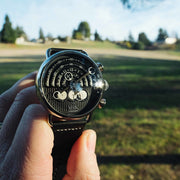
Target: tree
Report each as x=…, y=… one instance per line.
x=84, y=29
x=8, y=34
x=41, y=35
x=139, y=45
x=143, y=38
x=20, y=32
x=77, y=35
x=162, y=35
x=97, y=37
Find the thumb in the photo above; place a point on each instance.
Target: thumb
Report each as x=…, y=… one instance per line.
x=82, y=162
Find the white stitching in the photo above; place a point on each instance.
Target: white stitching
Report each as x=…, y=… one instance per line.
x=69, y=129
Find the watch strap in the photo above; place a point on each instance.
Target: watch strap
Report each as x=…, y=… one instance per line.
x=65, y=134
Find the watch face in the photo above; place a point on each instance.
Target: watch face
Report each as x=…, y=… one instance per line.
x=70, y=84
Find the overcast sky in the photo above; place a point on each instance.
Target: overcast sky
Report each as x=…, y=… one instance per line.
x=108, y=17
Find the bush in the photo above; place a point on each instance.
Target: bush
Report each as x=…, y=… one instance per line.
x=139, y=45
x=177, y=44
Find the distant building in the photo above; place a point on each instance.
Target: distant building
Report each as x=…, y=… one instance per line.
x=170, y=40
x=20, y=40
x=56, y=41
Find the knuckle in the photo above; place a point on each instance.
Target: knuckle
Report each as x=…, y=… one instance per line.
x=21, y=95
x=26, y=94
x=35, y=110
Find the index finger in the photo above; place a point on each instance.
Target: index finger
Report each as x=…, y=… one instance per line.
x=8, y=96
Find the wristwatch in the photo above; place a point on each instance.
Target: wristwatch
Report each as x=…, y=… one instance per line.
x=70, y=86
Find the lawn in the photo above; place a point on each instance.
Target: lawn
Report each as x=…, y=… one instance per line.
x=139, y=129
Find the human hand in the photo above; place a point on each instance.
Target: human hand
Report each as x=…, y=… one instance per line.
x=26, y=139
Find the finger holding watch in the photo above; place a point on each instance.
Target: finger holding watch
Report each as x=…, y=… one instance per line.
x=26, y=146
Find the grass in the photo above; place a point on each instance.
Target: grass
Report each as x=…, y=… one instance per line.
x=141, y=118
x=73, y=44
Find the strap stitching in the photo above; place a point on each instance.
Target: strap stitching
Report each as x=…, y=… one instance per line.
x=69, y=129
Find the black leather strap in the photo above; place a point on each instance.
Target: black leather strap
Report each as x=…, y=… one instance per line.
x=52, y=51
x=65, y=134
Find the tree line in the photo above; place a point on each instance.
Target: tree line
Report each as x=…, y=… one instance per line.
x=8, y=34
x=143, y=41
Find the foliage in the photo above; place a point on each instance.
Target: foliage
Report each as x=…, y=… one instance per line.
x=142, y=43
x=77, y=35
x=178, y=44
x=162, y=35
x=139, y=4
x=139, y=45
x=63, y=39
x=41, y=35
x=143, y=39
x=97, y=37
x=8, y=34
x=20, y=32
x=83, y=31
x=84, y=28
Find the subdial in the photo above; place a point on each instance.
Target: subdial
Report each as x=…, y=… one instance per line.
x=60, y=95
x=82, y=95
x=79, y=96
x=72, y=95
x=68, y=76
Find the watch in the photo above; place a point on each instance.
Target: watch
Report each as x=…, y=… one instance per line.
x=70, y=85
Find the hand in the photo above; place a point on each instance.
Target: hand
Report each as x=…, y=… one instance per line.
x=26, y=139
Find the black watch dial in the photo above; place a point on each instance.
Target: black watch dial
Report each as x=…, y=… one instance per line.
x=70, y=84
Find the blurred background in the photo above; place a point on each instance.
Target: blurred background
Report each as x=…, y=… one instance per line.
x=138, y=43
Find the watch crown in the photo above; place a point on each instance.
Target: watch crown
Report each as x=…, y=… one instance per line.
x=102, y=103
x=100, y=66
x=106, y=85
x=102, y=84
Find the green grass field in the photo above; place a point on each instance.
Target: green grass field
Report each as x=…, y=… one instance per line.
x=139, y=129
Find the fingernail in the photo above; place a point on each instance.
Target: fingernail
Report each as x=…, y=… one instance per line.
x=91, y=141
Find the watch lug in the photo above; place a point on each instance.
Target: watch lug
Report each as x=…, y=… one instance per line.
x=48, y=53
x=89, y=116
x=51, y=51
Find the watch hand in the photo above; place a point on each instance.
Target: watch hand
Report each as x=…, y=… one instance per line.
x=87, y=73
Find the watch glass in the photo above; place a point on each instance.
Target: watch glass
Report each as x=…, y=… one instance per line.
x=70, y=84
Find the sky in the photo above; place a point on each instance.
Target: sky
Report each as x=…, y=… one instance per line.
x=108, y=17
